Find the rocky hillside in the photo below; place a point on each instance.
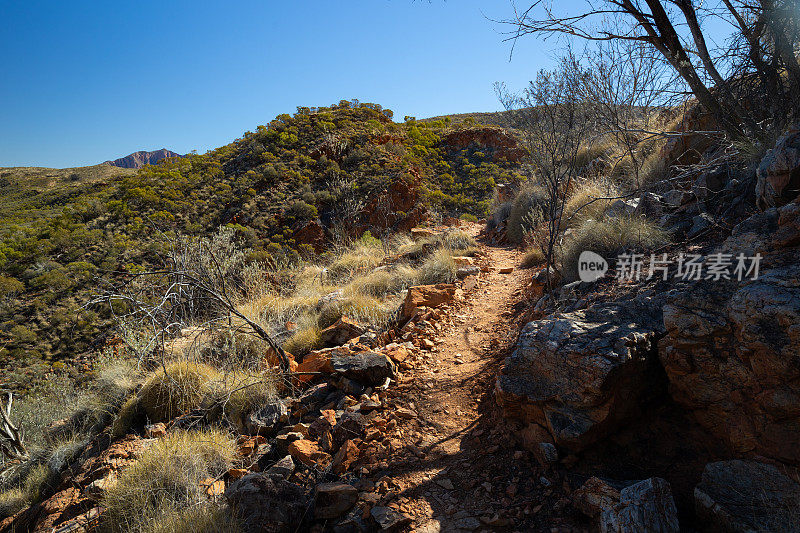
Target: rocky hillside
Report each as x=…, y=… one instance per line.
x=142, y=158
x=289, y=190
x=416, y=376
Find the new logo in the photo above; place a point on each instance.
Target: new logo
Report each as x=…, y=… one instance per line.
x=591, y=266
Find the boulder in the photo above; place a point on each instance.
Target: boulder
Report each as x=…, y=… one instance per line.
x=700, y=223
x=594, y=497
x=266, y=419
x=495, y=142
x=388, y=519
x=545, y=453
x=778, y=174
x=367, y=368
x=398, y=352
x=308, y=452
x=731, y=348
x=340, y=332
x=351, y=425
x=689, y=147
x=318, y=361
x=743, y=496
x=427, y=296
x=622, y=207
x=346, y=456
x=580, y=375
x=262, y=504
x=650, y=205
x=710, y=183
x=283, y=468
x=334, y=500
x=421, y=233
x=311, y=233
x=644, y=506
x=676, y=198
x=466, y=271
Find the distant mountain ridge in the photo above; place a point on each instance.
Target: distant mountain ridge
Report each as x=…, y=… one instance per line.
x=142, y=158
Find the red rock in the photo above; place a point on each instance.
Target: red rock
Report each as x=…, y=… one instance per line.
x=311, y=233
x=427, y=296
x=213, y=487
x=594, y=496
x=421, y=233
x=319, y=361
x=237, y=473
x=346, y=456
x=494, y=141
x=272, y=359
x=342, y=331
x=396, y=352
x=308, y=453
x=156, y=431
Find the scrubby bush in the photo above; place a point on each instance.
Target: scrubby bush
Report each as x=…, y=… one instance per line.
x=500, y=214
x=207, y=517
x=590, y=153
x=439, y=267
x=10, y=287
x=166, y=480
x=459, y=241
x=532, y=257
x=584, y=203
x=610, y=237
x=175, y=389
x=361, y=258
x=529, y=203
x=304, y=340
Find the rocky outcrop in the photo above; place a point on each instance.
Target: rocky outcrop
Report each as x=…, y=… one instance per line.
x=311, y=233
x=262, y=504
x=340, y=332
x=779, y=172
x=366, y=368
x=398, y=208
x=731, y=349
x=142, y=158
x=496, y=141
x=696, y=129
x=743, y=496
x=644, y=506
x=426, y=296
x=580, y=375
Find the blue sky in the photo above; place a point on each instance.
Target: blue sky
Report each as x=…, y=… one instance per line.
x=83, y=82
x=88, y=81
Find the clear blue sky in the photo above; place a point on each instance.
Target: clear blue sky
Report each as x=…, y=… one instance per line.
x=83, y=82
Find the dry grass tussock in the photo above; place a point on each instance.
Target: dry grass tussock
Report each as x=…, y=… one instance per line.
x=84, y=408
x=180, y=387
x=584, y=203
x=609, y=237
x=162, y=490
x=363, y=281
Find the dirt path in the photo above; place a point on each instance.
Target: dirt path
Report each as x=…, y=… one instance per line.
x=460, y=468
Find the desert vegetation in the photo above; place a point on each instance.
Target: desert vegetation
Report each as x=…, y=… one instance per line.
x=289, y=191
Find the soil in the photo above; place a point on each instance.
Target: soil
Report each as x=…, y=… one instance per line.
x=467, y=471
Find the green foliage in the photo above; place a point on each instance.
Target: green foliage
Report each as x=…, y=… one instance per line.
x=62, y=230
x=10, y=286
